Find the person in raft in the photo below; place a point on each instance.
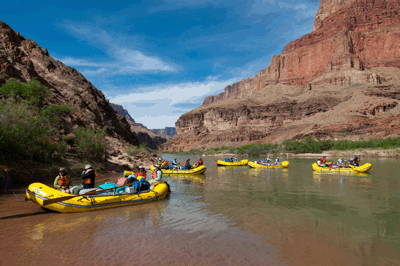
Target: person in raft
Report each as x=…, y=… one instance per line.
x=323, y=161
x=231, y=159
x=165, y=165
x=63, y=182
x=199, y=162
x=174, y=163
x=89, y=176
x=187, y=165
x=160, y=161
x=356, y=160
x=142, y=173
x=340, y=162
x=277, y=161
x=156, y=174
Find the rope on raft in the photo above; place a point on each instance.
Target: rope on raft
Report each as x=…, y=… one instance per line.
x=8, y=184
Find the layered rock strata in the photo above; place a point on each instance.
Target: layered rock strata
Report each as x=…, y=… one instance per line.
x=360, y=35
x=341, y=80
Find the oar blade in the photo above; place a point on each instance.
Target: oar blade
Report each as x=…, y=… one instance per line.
x=51, y=201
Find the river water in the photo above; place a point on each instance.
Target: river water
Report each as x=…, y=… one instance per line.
x=227, y=216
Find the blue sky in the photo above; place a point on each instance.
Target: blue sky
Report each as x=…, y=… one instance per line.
x=159, y=59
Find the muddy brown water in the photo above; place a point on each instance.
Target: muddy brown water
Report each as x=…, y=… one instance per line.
x=228, y=216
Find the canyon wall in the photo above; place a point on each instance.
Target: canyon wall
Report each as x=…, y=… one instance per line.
x=361, y=35
x=24, y=60
x=340, y=80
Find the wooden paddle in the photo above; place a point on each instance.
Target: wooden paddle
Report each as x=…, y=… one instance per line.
x=51, y=201
x=103, y=179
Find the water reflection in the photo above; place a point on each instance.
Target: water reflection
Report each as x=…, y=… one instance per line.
x=231, y=215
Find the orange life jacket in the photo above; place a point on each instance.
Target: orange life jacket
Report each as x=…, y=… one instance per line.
x=87, y=180
x=164, y=163
x=63, y=181
x=323, y=160
x=154, y=174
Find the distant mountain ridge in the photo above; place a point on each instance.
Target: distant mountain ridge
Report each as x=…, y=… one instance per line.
x=120, y=109
x=167, y=132
x=144, y=135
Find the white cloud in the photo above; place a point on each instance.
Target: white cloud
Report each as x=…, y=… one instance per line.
x=161, y=99
x=124, y=60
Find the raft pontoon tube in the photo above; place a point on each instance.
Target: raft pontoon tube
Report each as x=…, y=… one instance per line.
x=194, y=171
x=359, y=169
x=284, y=164
x=38, y=192
x=223, y=163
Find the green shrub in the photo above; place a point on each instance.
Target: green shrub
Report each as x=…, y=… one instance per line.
x=91, y=145
x=26, y=130
x=134, y=150
x=126, y=167
x=24, y=133
x=32, y=92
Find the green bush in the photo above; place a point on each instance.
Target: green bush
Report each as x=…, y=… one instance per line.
x=134, y=150
x=23, y=133
x=91, y=145
x=32, y=92
x=126, y=167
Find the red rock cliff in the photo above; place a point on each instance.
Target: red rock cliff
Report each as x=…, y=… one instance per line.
x=359, y=34
x=342, y=79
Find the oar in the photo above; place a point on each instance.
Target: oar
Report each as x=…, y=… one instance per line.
x=103, y=179
x=51, y=201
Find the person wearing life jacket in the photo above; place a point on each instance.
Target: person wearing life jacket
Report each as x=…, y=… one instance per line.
x=277, y=161
x=174, y=163
x=231, y=159
x=356, y=160
x=187, y=165
x=160, y=161
x=89, y=176
x=142, y=173
x=63, y=182
x=200, y=162
x=165, y=165
x=323, y=161
x=156, y=175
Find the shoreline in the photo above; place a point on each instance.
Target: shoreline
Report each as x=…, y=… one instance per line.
x=377, y=153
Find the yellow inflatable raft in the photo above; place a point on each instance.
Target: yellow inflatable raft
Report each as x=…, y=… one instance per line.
x=284, y=164
x=194, y=171
x=360, y=169
x=242, y=162
x=38, y=192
